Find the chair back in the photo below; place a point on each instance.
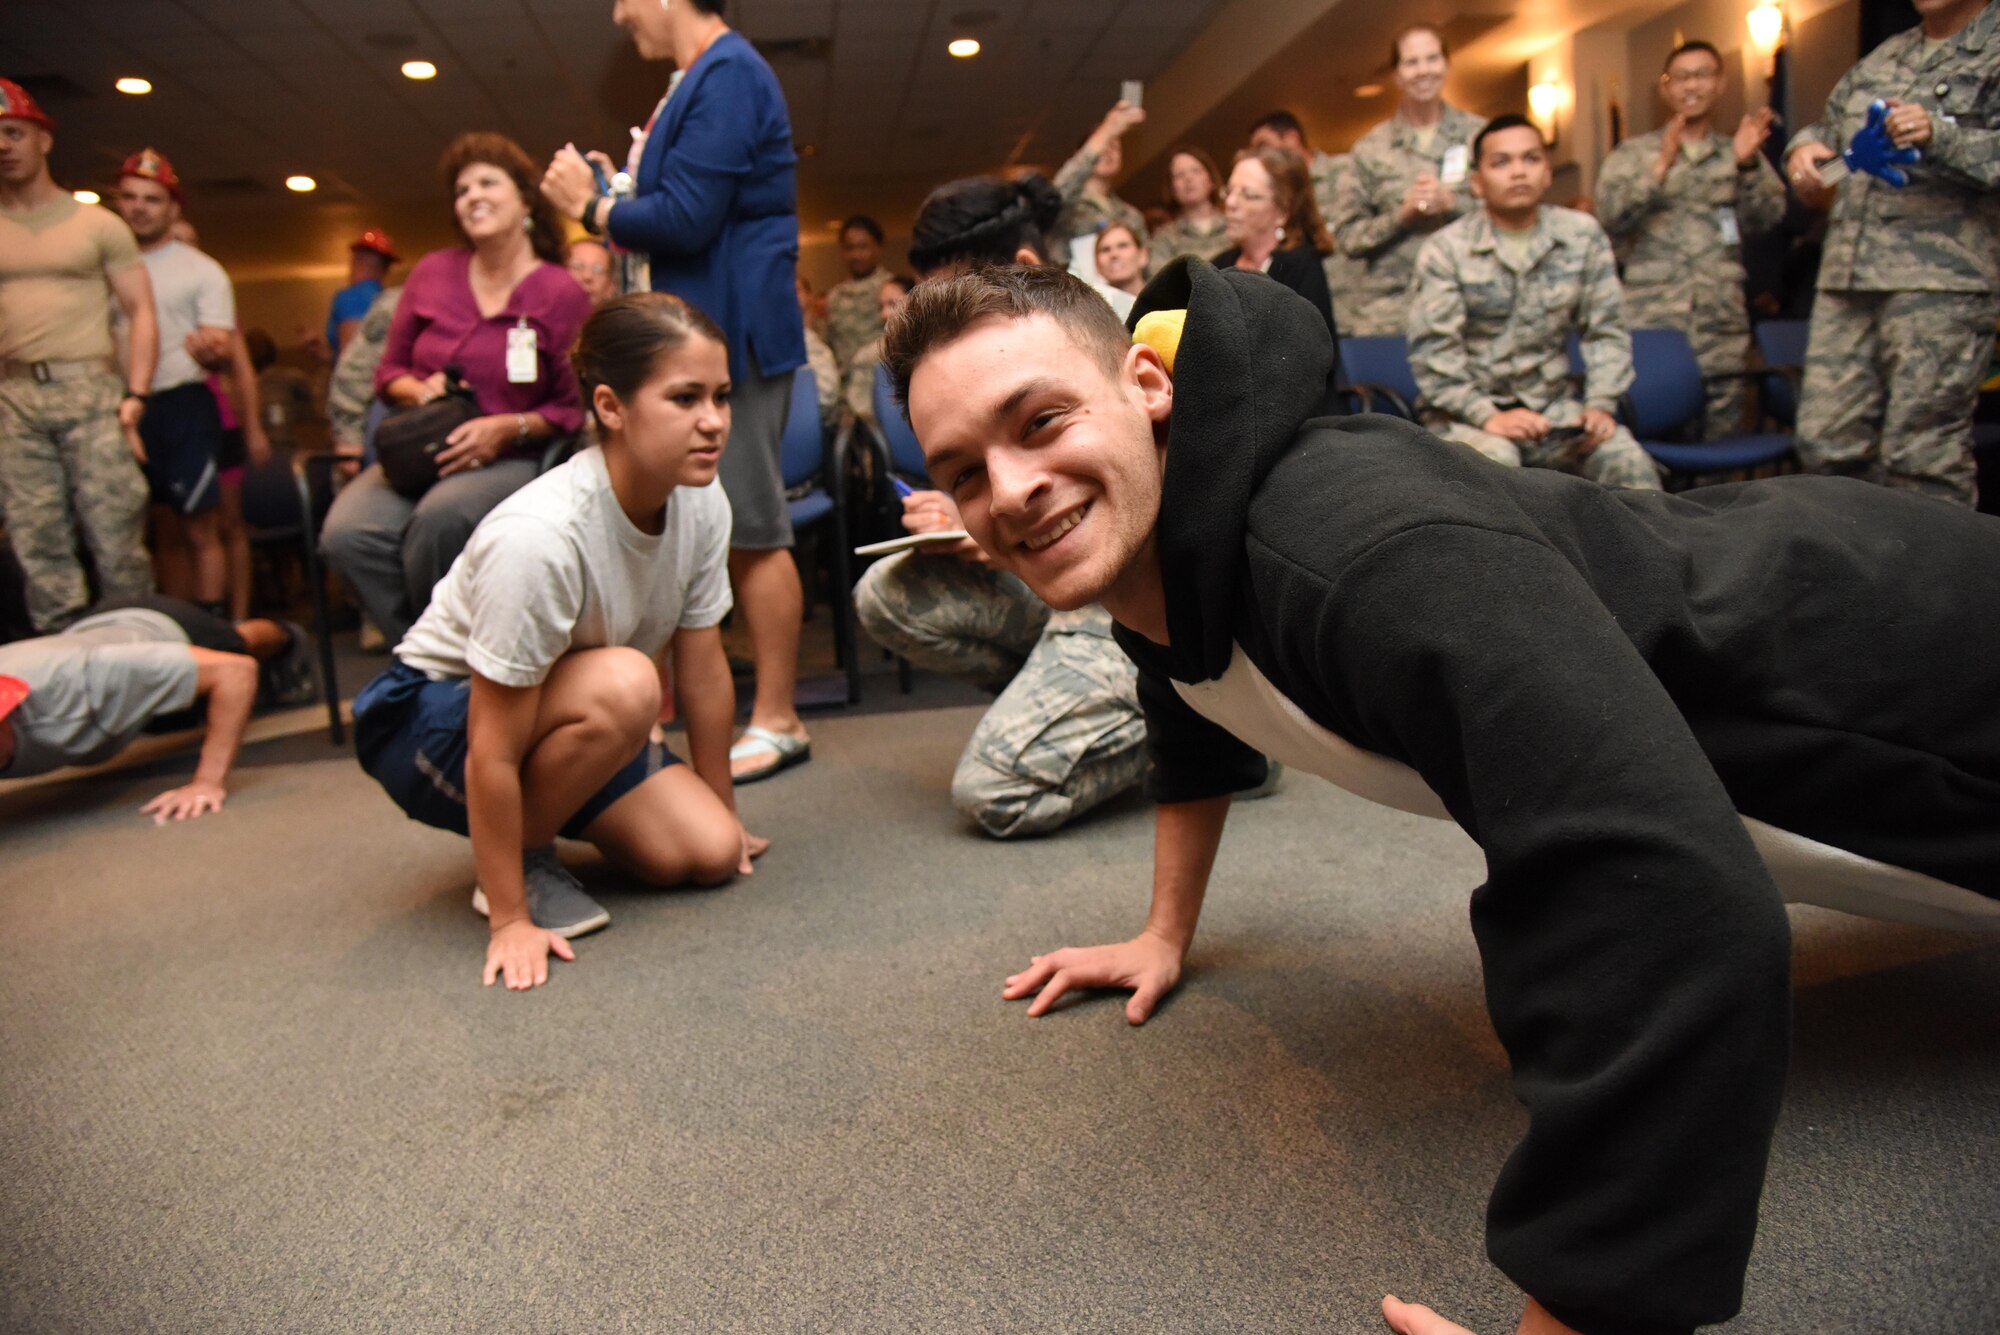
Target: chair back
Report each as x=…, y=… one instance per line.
x=1667, y=391
x=802, y=450
x=1782, y=344
x=905, y=455
x=1381, y=359
x=271, y=498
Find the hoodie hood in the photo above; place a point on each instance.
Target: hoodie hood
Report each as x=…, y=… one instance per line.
x=1249, y=367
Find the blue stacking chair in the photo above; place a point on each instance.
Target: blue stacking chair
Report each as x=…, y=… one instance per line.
x=1666, y=404
x=1782, y=345
x=816, y=494
x=1375, y=372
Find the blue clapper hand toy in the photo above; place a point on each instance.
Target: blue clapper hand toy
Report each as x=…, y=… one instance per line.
x=1872, y=151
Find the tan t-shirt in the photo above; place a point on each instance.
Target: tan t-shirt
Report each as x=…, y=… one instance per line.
x=55, y=290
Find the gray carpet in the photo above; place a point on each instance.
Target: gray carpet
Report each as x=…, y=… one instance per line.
x=249, y=1082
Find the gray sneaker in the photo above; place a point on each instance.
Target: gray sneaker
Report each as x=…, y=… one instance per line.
x=556, y=901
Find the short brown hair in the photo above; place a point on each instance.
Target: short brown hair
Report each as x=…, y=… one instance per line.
x=1293, y=183
x=939, y=311
x=497, y=150
x=1396, y=42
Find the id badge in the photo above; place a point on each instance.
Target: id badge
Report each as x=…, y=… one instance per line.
x=1725, y=222
x=1452, y=170
x=523, y=368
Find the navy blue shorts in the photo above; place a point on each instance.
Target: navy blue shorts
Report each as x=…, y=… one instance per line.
x=409, y=732
x=182, y=433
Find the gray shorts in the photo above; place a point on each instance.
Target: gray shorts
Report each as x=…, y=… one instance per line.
x=761, y=521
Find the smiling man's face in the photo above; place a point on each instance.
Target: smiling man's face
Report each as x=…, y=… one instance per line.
x=1054, y=459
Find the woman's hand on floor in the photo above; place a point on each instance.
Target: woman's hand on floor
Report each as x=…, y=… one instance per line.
x=754, y=846
x=518, y=954
x=1148, y=965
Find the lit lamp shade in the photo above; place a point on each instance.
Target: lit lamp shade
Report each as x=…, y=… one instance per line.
x=1544, y=100
x=1767, y=26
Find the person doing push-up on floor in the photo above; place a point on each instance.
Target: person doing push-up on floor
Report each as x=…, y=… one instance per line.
x=1647, y=709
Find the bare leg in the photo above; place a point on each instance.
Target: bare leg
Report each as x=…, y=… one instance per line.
x=596, y=708
x=670, y=830
x=173, y=559
x=772, y=601
x=235, y=549
x=211, y=569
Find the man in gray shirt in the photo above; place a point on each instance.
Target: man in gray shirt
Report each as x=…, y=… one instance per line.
x=81, y=696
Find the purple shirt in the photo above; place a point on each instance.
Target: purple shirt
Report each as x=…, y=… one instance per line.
x=438, y=324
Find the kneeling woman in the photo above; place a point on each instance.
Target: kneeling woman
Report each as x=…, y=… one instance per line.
x=519, y=706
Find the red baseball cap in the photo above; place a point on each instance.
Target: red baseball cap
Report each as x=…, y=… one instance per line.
x=12, y=692
x=148, y=165
x=377, y=240
x=15, y=102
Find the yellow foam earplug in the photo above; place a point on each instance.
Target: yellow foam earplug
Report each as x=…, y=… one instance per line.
x=1161, y=331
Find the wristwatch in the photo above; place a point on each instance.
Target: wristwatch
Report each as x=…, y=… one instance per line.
x=135, y=394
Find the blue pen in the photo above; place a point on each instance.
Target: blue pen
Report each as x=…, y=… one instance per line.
x=903, y=488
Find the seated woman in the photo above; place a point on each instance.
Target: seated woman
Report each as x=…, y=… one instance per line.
x=471, y=306
x=1121, y=264
x=1274, y=225
x=519, y=706
x=1194, y=196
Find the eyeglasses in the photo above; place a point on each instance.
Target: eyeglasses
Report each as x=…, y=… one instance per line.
x=1247, y=196
x=1695, y=76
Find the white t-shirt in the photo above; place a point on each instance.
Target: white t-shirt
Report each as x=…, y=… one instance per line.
x=558, y=566
x=190, y=290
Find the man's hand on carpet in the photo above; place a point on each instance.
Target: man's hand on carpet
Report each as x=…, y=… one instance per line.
x=1416, y=1319
x=518, y=954
x=186, y=802
x=1149, y=965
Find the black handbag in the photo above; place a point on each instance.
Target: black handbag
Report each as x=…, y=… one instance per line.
x=408, y=440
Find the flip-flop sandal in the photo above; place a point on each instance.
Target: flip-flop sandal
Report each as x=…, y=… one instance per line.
x=787, y=751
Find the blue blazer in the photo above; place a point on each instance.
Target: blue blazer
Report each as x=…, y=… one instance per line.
x=716, y=207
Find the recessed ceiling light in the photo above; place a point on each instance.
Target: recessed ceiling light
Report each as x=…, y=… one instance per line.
x=419, y=69
x=136, y=87
x=87, y=197
x=301, y=184
x=964, y=48
x=1369, y=90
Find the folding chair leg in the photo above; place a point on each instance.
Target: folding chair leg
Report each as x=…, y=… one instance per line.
x=322, y=619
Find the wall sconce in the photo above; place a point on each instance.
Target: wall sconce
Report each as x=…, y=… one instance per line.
x=1545, y=101
x=1767, y=27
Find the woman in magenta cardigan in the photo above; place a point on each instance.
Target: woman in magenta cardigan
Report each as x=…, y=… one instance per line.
x=462, y=307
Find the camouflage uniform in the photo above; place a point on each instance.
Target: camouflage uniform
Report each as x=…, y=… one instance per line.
x=854, y=314
x=352, y=389
x=859, y=387
x=66, y=471
x=1679, y=242
x=826, y=377
x=1344, y=273
x=1909, y=282
x=1180, y=238
x=1085, y=214
x=1066, y=733
x=1489, y=330
x=1383, y=166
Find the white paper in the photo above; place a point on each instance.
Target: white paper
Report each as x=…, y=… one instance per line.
x=909, y=540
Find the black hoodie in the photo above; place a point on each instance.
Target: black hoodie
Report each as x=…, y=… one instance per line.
x=1595, y=683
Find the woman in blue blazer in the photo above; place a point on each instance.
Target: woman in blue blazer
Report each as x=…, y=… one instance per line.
x=715, y=211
